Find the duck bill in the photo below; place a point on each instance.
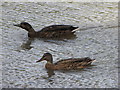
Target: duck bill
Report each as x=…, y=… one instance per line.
x=18, y=25
x=40, y=60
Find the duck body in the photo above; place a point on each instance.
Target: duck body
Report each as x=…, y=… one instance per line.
x=66, y=64
x=53, y=31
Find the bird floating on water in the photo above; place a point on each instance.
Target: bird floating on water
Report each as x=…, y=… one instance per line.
x=53, y=31
x=66, y=64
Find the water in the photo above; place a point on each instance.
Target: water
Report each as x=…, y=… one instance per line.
x=101, y=43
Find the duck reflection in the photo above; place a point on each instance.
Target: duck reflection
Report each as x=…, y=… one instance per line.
x=27, y=44
x=50, y=73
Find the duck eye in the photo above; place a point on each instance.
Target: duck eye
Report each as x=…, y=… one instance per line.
x=44, y=57
x=87, y=58
x=23, y=25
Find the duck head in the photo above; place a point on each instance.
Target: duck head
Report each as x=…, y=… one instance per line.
x=47, y=57
x=24, y=25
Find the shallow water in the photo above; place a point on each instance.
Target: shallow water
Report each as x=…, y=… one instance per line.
x=101, y=43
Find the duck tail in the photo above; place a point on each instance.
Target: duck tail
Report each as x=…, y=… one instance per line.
x=89, y=62
x=76, y=28
x=92, y=60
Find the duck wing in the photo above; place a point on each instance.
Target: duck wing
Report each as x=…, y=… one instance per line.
x=74, y=60
x=73, y=63
x=59, y=28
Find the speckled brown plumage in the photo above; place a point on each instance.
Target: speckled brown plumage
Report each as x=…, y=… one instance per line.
x=66, y=64
x=53, y=31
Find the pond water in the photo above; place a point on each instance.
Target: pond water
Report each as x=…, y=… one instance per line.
x=97, y=39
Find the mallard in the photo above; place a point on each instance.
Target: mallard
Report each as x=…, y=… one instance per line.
x=53, y=31
x=66, y=64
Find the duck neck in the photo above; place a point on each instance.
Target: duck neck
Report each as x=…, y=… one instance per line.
x=49, y=65
x=50, y=60
x=31, y=33
x=31, y=30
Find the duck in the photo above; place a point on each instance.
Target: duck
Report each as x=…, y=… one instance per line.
x=52, y=31
x=66, y=64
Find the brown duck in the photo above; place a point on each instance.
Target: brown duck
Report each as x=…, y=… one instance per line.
x=53, y=31
x=66, y=64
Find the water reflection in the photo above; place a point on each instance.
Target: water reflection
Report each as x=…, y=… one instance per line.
x=27, y=44
x=50, y=73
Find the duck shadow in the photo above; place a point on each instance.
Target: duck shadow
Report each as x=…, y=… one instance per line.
x=78, y=70
x=51, y=72
x=27, y=44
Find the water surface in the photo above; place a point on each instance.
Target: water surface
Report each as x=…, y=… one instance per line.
x=101, y=43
